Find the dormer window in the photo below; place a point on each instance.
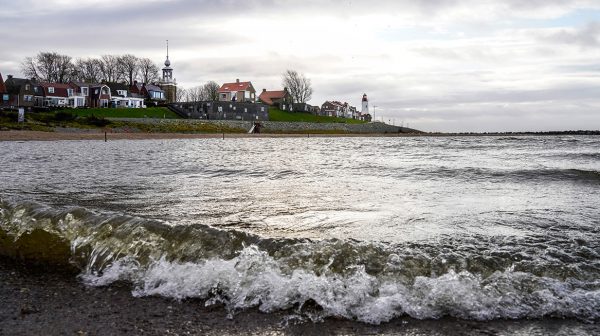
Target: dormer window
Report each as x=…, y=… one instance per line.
x=51, y=90
x=69, y=92
x=27, y=87
x=85, y=91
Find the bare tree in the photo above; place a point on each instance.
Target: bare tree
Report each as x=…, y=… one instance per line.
x=211, y=91
x=181, y=95
x=87, y=70
x=109, y=68
x=298, y=85
x=129, y=67
x=195, y=94
x=49, y=67
x=148, y=71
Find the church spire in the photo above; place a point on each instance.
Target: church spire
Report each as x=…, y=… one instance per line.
x=167, y=62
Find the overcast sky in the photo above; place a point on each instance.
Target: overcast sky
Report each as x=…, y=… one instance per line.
x=438, y=65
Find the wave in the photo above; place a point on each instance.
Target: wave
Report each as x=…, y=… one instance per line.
x=368, y=282
x=519, y=175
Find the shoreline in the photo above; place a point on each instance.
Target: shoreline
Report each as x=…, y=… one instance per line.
x=99, y=135
x=44, y=301
x=16, y=135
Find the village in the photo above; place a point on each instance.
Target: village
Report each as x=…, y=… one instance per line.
x=236, y=100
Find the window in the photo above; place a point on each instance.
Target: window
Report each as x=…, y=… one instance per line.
x=27, y=87
x=85, y=91
x=69, y=92
x=245, y=110
x=51, y=90
x=28, y=98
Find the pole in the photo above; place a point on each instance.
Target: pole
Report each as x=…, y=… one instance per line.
x=105, y=138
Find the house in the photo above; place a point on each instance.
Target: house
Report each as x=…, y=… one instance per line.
x=152, y=93
x=302, y=107
x=57, y=95
x=99, y=95
x=121, y=97
x=281, y=99
x=20, y=91
x=332, y=109
x=82, y=91
x=238, y=92
x=4, y=96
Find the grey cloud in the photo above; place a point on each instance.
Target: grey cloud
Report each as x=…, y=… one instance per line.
x=587, y=36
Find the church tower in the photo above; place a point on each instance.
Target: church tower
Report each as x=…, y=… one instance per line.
x=168, y=83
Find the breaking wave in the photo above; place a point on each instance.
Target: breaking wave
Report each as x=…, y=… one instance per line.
x=369, y=282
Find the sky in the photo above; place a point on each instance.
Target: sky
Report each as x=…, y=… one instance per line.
x=434, y=65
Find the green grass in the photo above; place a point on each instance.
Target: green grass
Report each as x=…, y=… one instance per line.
x=279, y=115
x=150, y=112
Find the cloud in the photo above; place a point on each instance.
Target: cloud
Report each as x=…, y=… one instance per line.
x=587, y=36
x=441, y=64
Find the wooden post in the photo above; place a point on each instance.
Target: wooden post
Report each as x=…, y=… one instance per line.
x=223, y=135
x=105, y=139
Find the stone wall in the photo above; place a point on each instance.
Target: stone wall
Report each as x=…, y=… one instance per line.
x=286, y=127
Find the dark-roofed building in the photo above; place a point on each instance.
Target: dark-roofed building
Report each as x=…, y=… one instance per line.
x=4, y=96
x=20, y=91
x=57, y=95
x=122, y=97
x=280, y=99
x=238, y=91
x=152, y=93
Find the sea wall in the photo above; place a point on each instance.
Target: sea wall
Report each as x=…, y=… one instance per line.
x=282, y=127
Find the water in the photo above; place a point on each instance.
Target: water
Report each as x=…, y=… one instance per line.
x=479, y=228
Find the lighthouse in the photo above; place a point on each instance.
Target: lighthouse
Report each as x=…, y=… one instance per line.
x=364, y=113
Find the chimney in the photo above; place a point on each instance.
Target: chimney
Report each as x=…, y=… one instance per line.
x=237, y=80
x=10, y=76
x=264, y=90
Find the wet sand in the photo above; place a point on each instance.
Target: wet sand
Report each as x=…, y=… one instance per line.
x=50, y=302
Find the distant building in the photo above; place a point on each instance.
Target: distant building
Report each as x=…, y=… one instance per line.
x=121, y=97
x=153, y=94
x=332, y=109
x=280, y=99
x=222, y=110
x=4, y=96
x=20, y=91
x=168, y=83
x=237, y=92
x=364, y=113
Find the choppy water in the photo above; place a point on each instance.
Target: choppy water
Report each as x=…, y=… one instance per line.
x=361, y=228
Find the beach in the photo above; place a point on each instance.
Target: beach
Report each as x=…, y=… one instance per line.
x=39, y=301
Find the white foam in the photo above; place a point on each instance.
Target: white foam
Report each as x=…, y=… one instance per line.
x=254, y=279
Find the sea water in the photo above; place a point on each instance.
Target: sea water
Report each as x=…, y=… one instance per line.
x=370, y=229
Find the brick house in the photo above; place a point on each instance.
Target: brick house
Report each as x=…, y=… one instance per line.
x=20, y=92
x=280, y=99
x=238, y=92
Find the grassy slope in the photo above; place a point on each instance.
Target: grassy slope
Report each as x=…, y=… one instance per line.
x=150, y=112
x=279, y=115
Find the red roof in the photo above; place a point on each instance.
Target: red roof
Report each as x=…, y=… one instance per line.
x=60, y=89
x=268, y=96
x=2, y=86
x=234, y=87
